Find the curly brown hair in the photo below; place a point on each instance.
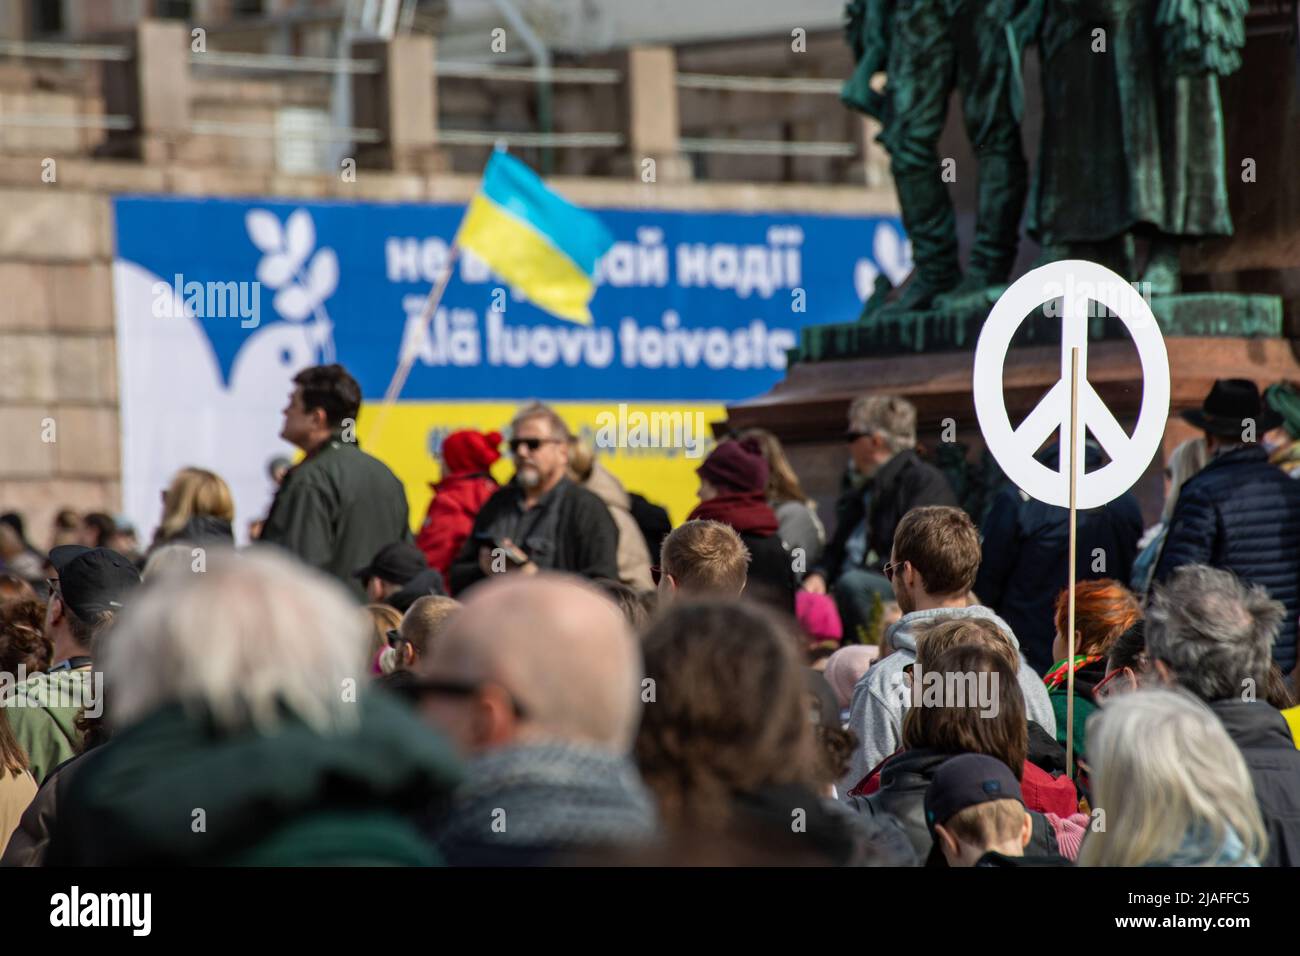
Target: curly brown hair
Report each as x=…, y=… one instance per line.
x=730, y=712
x=22, y=637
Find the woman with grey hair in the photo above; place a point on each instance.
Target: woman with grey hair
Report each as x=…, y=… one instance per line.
x=245, y=733
x=1170, y=786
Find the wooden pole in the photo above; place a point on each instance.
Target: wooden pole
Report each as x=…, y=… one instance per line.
x=406, y=361
x=1074, y=472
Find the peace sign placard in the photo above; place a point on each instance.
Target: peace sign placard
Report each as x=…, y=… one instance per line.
x=1077, y=281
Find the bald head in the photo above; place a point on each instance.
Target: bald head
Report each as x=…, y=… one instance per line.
x=558, y=647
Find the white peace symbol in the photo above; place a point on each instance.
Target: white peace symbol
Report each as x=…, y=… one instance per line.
x=1077, y=281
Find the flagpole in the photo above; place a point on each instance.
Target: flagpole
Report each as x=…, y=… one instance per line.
x=398, y=381
x=431, y=303
x=1074, y=468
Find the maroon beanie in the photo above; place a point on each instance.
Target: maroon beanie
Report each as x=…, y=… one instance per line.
x=470, y=451
x=736, y=466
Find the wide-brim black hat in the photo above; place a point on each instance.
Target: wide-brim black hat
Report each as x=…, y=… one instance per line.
x=398, y=562
x=1233, y=403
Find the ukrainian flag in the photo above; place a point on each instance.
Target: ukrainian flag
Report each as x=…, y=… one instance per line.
x=540, y=243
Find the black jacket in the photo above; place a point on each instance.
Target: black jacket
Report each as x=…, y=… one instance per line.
x=903, y=483
x=1264, y=739
x=903, y=781
x=1242, y=514
x=336, y=508
x=585, y=540
x=771, y=579
x=1026, y=557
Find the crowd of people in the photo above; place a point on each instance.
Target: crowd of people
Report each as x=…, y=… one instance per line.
x=548, y=672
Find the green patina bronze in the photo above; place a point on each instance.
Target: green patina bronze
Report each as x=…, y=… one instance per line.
x=906, y=333
x=1131, y=157
x=927, y=49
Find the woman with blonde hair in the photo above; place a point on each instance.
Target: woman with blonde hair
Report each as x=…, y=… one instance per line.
x=1173, y=786
x=795, y=511
x=197, y=506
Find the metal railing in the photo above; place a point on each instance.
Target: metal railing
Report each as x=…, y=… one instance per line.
x=594, y=76
x=467, y=137
x=758, y=84
x=333, y=134
x=282, y=63
x=63, y=51
x=766, y=147
x=56, y=121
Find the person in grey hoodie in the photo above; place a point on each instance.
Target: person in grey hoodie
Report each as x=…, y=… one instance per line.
x=935, y=556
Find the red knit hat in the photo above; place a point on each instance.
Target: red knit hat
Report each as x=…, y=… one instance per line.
x=468, y=451
x=736, y=466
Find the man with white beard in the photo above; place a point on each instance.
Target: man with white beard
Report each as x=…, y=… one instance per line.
x=541, y=519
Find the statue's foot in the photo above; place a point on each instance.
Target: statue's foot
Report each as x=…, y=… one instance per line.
x=880, y=292
x=973, y=291
x=917, y=296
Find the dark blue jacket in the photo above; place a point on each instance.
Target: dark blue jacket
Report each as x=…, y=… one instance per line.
x=1242, y=514
x=1026, y=556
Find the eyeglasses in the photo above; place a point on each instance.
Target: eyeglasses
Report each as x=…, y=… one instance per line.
x=852, y=436
x=657, y=572
x=53, y=585
x=532, y=443
x=890, y=568
x=461, y=688
x=1116, y=682
x=394, y=637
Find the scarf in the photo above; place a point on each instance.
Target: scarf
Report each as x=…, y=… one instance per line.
x=1057, y=675
x=746, y=511
x=1199, y=849
x=551, y=795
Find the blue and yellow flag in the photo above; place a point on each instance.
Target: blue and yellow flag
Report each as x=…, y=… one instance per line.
x=541, y=244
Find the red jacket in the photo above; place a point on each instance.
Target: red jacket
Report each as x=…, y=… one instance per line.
x=1041, y=791
x=456, y=501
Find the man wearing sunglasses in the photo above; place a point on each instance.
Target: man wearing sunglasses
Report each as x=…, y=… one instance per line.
x=540, y=520
x=887, y=479
x=536, y=681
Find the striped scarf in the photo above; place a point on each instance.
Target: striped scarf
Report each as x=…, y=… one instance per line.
x=1058, y=674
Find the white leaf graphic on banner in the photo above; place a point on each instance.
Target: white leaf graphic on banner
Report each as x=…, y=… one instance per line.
x=275, y=270
x=293, y=303
x=302, y=237
x=323, y=275
x=264, y=229
x=892, y=253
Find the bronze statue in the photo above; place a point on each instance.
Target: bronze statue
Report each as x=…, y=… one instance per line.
x=1132, y=144
x=1133, y=139
x=926, y=48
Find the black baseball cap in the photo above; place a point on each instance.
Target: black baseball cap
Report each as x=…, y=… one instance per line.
x=92, y=580
x=966, y=781
x=398, y=562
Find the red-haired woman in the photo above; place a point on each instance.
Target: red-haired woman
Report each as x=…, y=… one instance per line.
x=1103, y=610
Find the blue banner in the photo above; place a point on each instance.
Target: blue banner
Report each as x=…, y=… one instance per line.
x=688, y=305
x=220, y=302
